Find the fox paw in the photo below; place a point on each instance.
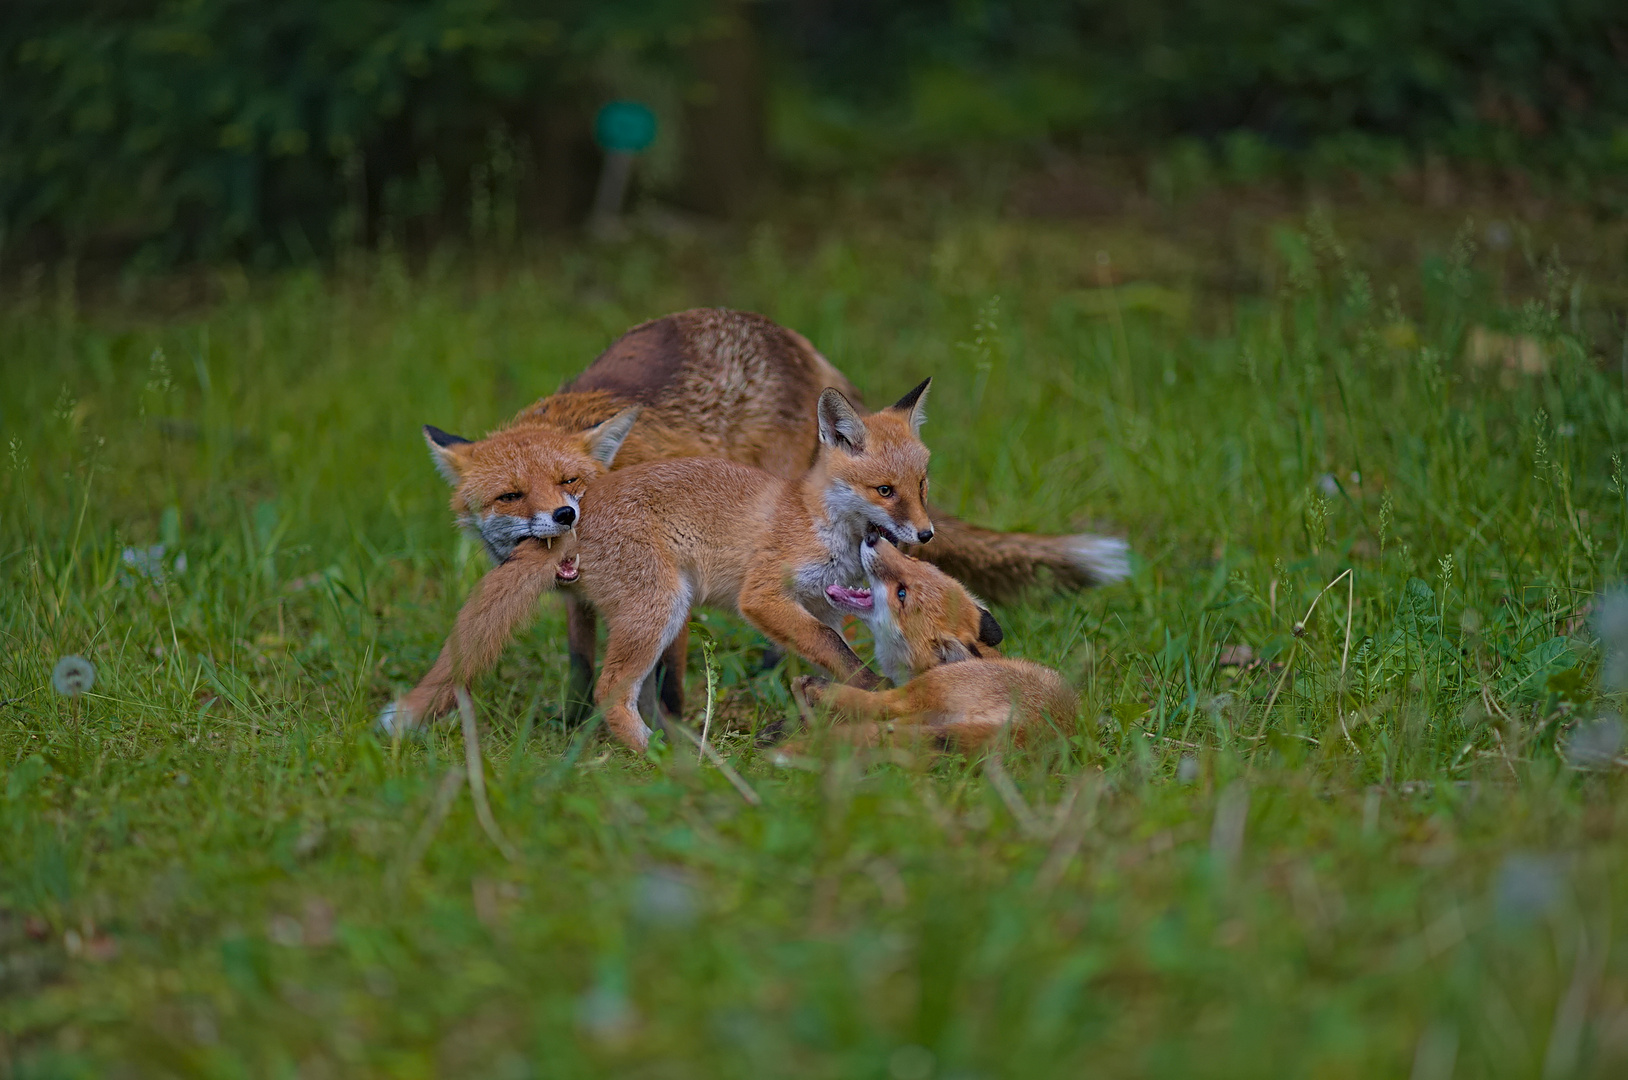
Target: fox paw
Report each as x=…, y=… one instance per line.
x=808, y=689
x=396, y=719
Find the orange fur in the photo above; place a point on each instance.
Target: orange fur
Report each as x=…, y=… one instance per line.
x=710, y=382
x=503, y=602
x=655, y=540
x=931, y=631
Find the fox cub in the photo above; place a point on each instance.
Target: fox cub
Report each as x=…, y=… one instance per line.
x=960, y=691
x=702, y=383
x=654, y=540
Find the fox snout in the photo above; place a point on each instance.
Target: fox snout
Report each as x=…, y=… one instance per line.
x=908, y=531
x=500, y=532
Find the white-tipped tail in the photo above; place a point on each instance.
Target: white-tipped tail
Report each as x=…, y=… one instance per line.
x=1104, y=559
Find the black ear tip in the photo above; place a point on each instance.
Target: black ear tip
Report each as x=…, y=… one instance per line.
x=910, y=399
x=442, y=438
x=989, y=631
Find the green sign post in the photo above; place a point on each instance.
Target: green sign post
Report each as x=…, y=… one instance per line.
x=623, y=129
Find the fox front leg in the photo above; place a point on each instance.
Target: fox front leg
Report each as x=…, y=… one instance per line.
x=788, y=624
x=501, y=605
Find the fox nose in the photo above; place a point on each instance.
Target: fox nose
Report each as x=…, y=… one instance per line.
x=923, y=535
x=565, y=515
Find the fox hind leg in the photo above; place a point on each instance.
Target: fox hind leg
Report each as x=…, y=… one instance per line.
x=632, y=650
x=671, y=671
x=581, y=632
x=973, y=729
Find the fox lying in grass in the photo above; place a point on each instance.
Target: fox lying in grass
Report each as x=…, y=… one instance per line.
x=930, y=631
x=657, y=539
x=704, y=383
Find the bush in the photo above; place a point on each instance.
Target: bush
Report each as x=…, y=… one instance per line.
x=1469, y=75
x=216, y=126
x=200, y=128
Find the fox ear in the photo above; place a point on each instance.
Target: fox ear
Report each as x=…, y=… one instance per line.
x=951, y=651
x=449, y=452
x=915, y=403
x=989, y=631
x=840, y=423
x=604, y=439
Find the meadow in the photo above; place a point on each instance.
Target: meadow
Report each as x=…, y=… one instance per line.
x=1344, y=798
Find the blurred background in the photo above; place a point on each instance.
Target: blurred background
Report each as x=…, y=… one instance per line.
x=155, y=132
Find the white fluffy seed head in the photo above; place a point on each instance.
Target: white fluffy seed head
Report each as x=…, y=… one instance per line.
x=1611, y=621
x=72, y=676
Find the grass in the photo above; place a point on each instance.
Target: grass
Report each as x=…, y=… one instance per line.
x=1355, y=847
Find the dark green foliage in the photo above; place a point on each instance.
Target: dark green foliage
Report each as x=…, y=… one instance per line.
x=278, y=130
x=1294, y=70
x=224, y=126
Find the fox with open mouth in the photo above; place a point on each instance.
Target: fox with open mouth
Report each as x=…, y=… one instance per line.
x=937, y=642
x=721, y=384
x=655, y=540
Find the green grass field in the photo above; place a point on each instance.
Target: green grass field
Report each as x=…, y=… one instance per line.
x=1386, y=842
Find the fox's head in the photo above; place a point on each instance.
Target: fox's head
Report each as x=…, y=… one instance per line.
x=525, y=480
x=920, y=616
x=876, y=466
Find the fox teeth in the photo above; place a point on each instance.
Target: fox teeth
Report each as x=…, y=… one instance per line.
x=548, y=542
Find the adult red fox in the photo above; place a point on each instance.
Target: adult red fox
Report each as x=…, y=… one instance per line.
x=708, y=382
x=937, y=643
x=657, y=539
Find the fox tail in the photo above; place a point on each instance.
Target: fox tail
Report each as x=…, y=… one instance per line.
x=1002, y=565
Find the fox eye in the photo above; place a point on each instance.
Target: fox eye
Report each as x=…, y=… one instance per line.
x=900, y=594
x=511, y=496
x=568, y=481
x=885, y=490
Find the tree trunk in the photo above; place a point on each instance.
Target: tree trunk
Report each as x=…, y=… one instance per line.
x=725, y=152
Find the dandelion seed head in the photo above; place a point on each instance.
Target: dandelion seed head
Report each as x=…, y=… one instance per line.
x=1528, y=886
x=148, y=564
x=1611, y=622
x=665, y=897
x=606, y=1014
x=1594, y=744
x=72, y=676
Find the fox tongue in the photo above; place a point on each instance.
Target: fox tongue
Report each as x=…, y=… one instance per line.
x=842, y=596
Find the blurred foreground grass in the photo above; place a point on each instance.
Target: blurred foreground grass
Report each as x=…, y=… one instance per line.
x=1387, y=842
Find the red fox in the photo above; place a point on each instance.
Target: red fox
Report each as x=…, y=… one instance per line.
x=962, y=693
x=716, y=383
x=657, y=539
